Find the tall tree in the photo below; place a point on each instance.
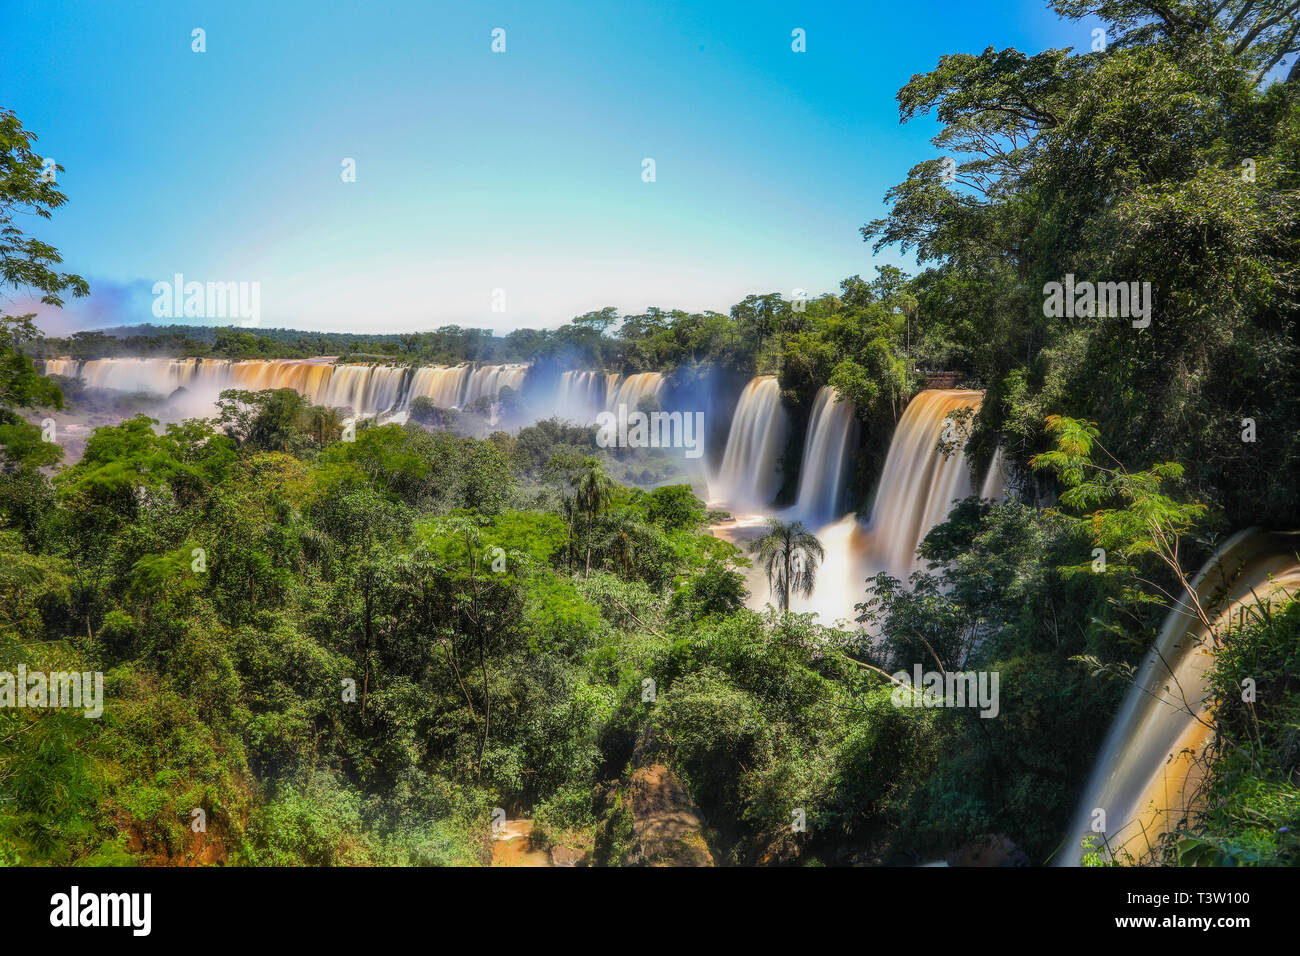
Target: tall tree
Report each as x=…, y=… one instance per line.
x=789, y=554
x=593, y=492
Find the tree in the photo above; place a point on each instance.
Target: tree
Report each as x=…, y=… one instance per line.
x=325, y=424
x=1142, y=519
x=1159, y=160
x=21, y=386
x=270, y=420
x=789, y=554
x=760, y=316
x=124, y=468
x=593, y=491
x=675, y=507
x=27, y=187
x=1262, y=33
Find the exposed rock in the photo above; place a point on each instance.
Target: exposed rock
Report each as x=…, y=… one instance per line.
x=667, y=825
x=567, y=856
x=993, y=850
x=651, y=821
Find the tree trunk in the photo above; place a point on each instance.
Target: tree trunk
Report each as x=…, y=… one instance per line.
x=365, y=680
x=573, y=514
x=785, y=591
x=587, y=573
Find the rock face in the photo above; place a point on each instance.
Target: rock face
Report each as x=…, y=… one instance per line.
x=567, y=856
x=943, y=379
x=667, y=829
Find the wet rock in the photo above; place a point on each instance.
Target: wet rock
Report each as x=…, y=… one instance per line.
x=567, y=856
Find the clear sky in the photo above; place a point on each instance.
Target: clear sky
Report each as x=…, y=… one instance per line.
x=476, y=170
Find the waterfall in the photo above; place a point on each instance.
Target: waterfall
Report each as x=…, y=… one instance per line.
x=441, y=385
x=367, y=389
x=632, y=389
x=832, y=431
x=1152, y=762
x=581, y=395
x=158, y=376
x=460, y=386
x=760, y=426
x=916, y=490
x=995, y=480
x=486, y=381
x=918, y=485
x=65, y=367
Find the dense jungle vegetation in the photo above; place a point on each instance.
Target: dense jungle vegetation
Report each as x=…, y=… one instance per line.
x=353, y=652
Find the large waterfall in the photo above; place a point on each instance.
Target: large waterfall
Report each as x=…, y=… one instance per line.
x=919, y=483
x=460, y=386
x=633, y=389
x=1153, y=761
x=916, y=491
x=366, y=389
x=582, y=395
x=64, y=367
x=748, y=477
x=824, y=471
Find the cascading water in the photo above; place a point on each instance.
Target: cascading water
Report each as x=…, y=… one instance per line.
x=995, y=479
x=366, y=389
x=748, y=477
x=633, y=389
x=442, y=386
x=581, y=395
x=1153, y=761
x=64, y=367
x=831, y=433
x=487, y=381
x=918, y=484
x=916, y=490
x=460, y=386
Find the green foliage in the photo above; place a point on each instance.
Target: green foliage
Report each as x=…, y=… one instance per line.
x=1160, y=159
x=388, y=637
x=316, y=824
x=1143, y=521
x=1252, y=815
x=25, y=262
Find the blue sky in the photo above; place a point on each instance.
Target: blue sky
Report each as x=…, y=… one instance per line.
x=476, y=170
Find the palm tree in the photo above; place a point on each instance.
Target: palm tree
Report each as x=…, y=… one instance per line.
x=593, y=491
x=324, y=423
x=626, y=534
x=789, y=554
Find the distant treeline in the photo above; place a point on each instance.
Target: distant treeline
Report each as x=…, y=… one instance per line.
x=747, y=339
